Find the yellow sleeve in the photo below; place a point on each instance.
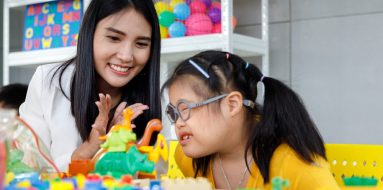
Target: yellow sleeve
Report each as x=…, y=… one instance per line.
x=184, y=163
x=302, y=175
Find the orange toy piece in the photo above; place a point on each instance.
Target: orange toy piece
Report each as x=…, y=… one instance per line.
x=153, y=125
x=80, y=167
x=144, y=175
x=128, y=113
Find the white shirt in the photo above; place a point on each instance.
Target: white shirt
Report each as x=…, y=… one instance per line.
x=48, y=112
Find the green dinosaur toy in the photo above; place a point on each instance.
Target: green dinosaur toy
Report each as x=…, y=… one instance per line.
x=117, y=164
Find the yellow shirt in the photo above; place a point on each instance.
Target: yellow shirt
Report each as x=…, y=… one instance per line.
x=285, y=163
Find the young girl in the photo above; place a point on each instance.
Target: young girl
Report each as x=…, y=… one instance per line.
x=230, y=139
x=117, y=64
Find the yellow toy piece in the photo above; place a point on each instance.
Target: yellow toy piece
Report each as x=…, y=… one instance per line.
x=60, y=185
x=173, y=169
x=9, y=176
x=348, y=160
x=160, y=149
x=164, y=32
x=24, y=184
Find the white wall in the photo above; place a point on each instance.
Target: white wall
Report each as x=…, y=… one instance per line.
x=330, y=52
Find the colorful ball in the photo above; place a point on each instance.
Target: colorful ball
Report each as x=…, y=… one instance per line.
x=173, y=3
x=181, y=11
x=215, y=15
x=198, y=24
x=206, y=2
x=217, y=28
x=164, y=32
x=161, y=6
x=166, y=18
x=216, y=4
x=197, y=7
x=177, y=29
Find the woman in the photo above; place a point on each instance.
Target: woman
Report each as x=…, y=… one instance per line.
x=117, y=64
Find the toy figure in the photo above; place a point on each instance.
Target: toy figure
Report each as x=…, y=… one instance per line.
x=120, y=154
x=15, y=163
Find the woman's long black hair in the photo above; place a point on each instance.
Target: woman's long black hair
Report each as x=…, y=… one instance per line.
x=282, y=118
x=144, y=88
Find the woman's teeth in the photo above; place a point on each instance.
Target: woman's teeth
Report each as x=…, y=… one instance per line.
x=119, y=69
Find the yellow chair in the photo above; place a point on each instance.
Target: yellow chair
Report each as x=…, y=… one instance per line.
x=361, y=160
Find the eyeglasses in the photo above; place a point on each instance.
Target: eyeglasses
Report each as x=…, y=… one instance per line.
x=182, y=110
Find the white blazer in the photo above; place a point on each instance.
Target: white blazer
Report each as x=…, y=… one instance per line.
x=48, y=112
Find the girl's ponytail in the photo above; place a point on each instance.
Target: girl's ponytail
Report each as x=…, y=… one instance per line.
x=284, y=119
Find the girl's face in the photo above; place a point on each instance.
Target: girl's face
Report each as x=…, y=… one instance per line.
x=205, y=131
x=121, y=47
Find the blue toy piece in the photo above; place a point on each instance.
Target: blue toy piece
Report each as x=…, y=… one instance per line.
x=177, y=29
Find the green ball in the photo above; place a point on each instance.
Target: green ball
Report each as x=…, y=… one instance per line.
x=166, y=18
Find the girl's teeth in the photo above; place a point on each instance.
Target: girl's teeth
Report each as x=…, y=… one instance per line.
x=119, y=69
x=185, y=137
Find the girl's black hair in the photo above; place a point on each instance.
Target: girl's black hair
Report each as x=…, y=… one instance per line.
x=282, y=119
x=144, y=88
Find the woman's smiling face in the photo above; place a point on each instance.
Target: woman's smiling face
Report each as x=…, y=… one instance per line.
x=121, y=47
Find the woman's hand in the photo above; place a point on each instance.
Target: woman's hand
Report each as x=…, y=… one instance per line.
x=137, y=108
x=89, y=148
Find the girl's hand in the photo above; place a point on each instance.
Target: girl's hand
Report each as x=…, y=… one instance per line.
x=89, y=148
x=138, y=109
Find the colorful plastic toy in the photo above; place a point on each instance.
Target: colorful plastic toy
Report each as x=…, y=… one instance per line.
x=24, y=151
x=180, y=18
x=166, y=18
x=177, y=29
x=278, y=183
x=174, y=171
x=121, y=155
x=181, y=11
x=197, y=7
x=174, y=3
x=161, y=6
x=198, y=24
x=215, y=15
x=206, y=2
x=360, y=181
x=15, y=163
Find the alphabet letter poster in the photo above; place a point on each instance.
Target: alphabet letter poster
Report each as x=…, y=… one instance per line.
x=52, y=24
